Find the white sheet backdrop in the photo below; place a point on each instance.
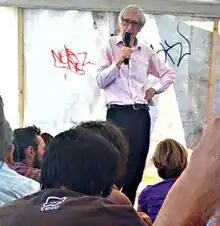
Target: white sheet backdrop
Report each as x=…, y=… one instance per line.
x=9, y=64
x=56, y=97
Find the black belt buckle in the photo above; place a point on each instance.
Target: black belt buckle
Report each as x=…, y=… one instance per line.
x=135, y=107
x=140, y=106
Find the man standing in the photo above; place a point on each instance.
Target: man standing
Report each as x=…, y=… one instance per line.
x=125, y=97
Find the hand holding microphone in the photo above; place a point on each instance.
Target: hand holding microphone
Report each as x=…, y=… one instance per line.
x=125, y=52
x=127, y=44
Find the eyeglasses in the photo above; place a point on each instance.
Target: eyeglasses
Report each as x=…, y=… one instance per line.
x=126, y=22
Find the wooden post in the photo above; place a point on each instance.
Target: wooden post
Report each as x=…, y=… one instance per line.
x=212, y=71
x=21, y=80
x=117, y=30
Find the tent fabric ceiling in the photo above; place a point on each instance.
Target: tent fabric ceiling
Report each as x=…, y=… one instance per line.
x=200, y=8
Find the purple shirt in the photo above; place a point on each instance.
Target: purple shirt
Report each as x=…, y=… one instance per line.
x=127, y=84
x=152, y=197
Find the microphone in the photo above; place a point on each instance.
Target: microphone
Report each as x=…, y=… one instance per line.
x=127, y=43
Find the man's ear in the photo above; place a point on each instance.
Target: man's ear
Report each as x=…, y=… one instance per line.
x=9, y=157
x=29, y=152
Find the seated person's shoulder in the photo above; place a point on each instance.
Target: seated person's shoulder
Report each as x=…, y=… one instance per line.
x=147, y=189
x=145, y=194
x=119, y=198
x=95, y=210
x=27, y=171
x=17, y=184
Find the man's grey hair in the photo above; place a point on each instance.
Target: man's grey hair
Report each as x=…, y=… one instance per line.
x=132, y=8
x=6, y=133
x=2, y=131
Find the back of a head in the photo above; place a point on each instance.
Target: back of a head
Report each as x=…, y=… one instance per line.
x=47, y=138
x=8, y=134
x=22, y=139
x=80, y=161
x=170, y=159
x=2, y=131
x=113, y=134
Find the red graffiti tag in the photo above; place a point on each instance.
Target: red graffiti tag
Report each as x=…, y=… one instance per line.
x=71, y=61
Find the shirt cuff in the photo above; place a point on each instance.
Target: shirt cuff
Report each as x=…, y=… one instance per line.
x=158, y=88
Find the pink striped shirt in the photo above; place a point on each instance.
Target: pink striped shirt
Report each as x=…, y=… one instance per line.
x=126, y=85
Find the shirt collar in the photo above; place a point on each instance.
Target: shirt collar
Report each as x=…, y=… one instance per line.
x=119, y=41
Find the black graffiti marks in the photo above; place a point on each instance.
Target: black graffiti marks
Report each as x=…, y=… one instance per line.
x=166, y=48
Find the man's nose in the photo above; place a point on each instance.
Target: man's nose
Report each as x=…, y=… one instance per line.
x=129, y=28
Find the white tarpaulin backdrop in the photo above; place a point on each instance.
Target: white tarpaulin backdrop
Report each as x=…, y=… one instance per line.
x=61, y=91
x=56, y=96
x=9, y=64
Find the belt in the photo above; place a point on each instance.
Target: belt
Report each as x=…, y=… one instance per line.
x=129, y=106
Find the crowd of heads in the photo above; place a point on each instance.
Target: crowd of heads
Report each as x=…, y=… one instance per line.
x=89, y=158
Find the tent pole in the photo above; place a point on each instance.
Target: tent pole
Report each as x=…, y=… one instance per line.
x=21, y=80
x=212, y=71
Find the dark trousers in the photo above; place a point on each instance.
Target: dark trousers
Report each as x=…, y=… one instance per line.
x=135, y=125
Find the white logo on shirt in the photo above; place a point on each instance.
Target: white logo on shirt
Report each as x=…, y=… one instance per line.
x=53, y=203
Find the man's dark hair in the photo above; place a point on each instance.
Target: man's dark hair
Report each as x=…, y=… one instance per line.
x=81, y=161
x=22, y=139
x=47, y=138
x=114, y=135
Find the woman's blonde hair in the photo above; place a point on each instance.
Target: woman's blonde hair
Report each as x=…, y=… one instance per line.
x=170, y=159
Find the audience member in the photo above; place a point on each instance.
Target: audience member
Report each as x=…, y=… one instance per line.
x=28, y=152
x=47, y=138
x=9, y=147
x=195, y=196
x=114, y=135
x=170, y=159
x=12, y=185
x=78, y=167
